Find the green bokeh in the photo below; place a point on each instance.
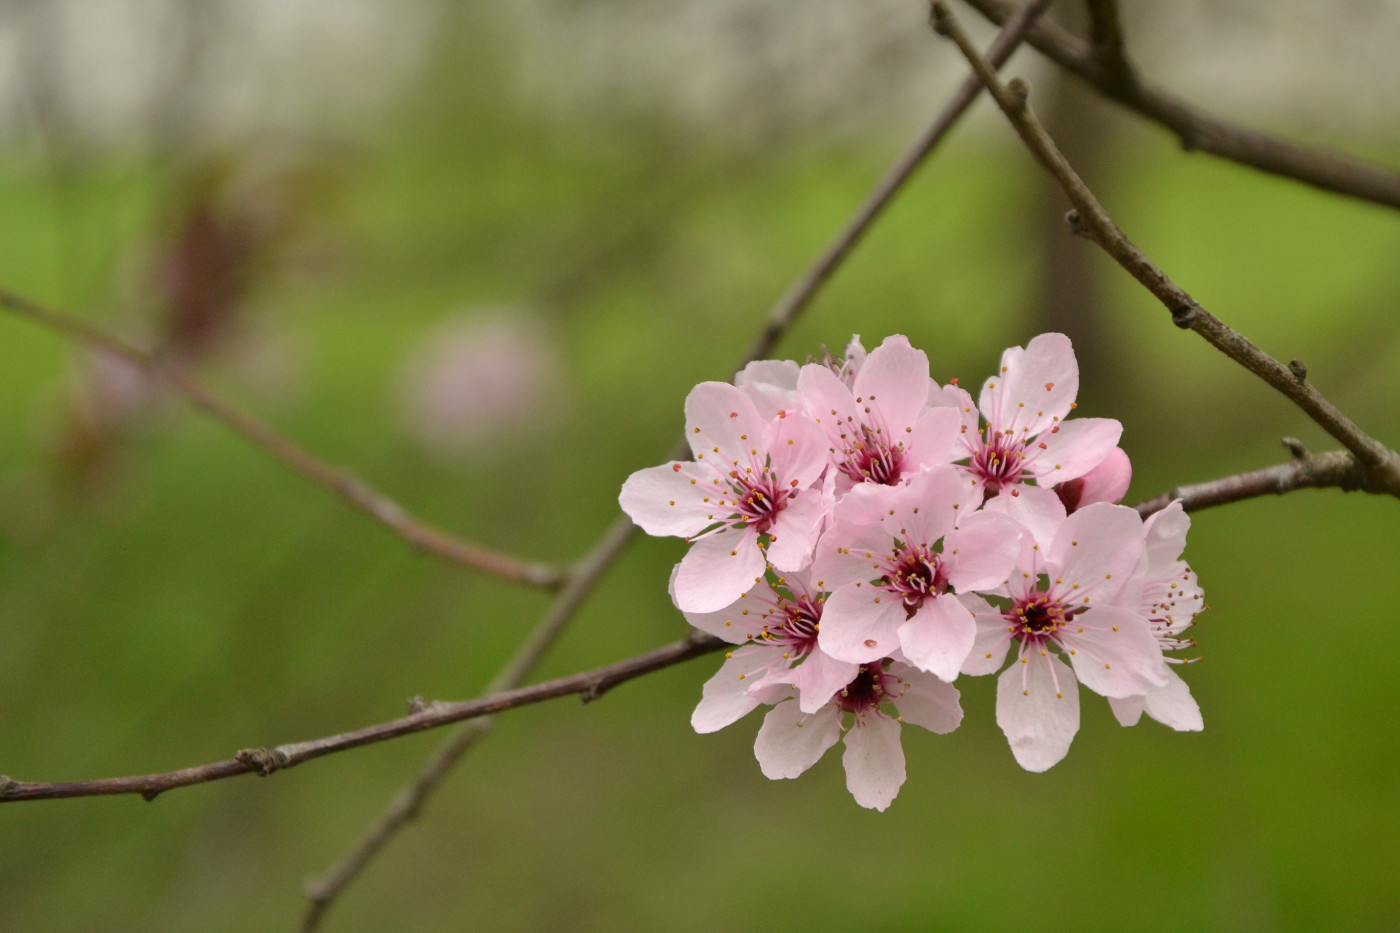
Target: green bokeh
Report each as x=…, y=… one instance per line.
x=202, y=598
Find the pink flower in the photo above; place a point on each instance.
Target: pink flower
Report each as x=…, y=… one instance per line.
x=894, y=558
x=1025, y=406
x=749, y=497
x=1061, y=602
x=1107, y=482
x=878, y=424
x=778, y=629
x=1171, y=599
x=791, y=740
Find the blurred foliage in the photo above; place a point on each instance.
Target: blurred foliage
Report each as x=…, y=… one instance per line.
x=199, y=598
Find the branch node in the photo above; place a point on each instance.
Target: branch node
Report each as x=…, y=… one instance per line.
x=1299, y=370
x=416, y=705
x=5, y=783
x=1296, y=448
x=1076, y=226
x=150, y=795
x=1020, y=90
x=1184, y=317
x=938, y=18
x=262, y=760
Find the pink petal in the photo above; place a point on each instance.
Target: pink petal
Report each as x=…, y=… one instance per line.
x=928, y=701
x=722, y=424
x=797, y=448
x=1098, y=549
x=663, y=500
x=982, y=552
x=993, y=636
x=819, y=678
x=1114, y=652
x=1038, y=510
x=1075, y=448
x=927, y=507
x=789, y=741
x=939, y=637
x=1107, y=482
x=718, y=569
x=795, y=531
x=1035, y=387
x=874, y=759
x=850, y=552
x=1165, y=534
x=730, y=623
x=894, y=382
x=771, y=385
x=1038, y=710
x=934, y=439
x=725, y=697
x=827, y=401
x=859, y=623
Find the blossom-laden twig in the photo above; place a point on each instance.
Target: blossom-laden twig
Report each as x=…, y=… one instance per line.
x=323, y=890
x=1327, y=169
x=1091, y=220
x=359, y=494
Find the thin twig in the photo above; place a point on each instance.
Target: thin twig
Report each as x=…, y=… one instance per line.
x=1091, y=220
x=802, y=291
x=264, y=761
x=1106, y=40
x=1322, y=168
x=1336, y=468
x=407, y=803
x=348, y=486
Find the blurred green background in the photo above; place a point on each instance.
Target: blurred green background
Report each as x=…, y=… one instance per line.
x=169, y=594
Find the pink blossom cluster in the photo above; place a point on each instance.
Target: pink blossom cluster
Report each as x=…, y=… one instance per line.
x=864, y=536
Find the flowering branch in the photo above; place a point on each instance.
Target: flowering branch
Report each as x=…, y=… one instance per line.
x=590, y=685
x=1091, y=220
x=409, y=800
x=1322, y=168
x=347, y=485
x=1336, y=468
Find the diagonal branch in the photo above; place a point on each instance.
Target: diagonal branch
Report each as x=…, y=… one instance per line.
x=1322, y=168
x=347, y=485
x=1106, y=41
x=590, y=685
x=1090, y=219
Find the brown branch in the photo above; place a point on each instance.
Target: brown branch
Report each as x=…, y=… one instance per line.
x=1106, y=41
x=407, y=803
x=1322, y=168
x=802, y=291
x=264, y=761
x=348, y=486
x=1090, y=219
x=1336, y=468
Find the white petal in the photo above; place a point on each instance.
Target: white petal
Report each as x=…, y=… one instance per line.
x=1127, y=710
x=1038, y=709
x=939, y=637
x=725, y=697
x=790, y=741
x=859, y=623
x=718, y=569
x=874, y=760
x=928, y=701
x=1174, y=706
